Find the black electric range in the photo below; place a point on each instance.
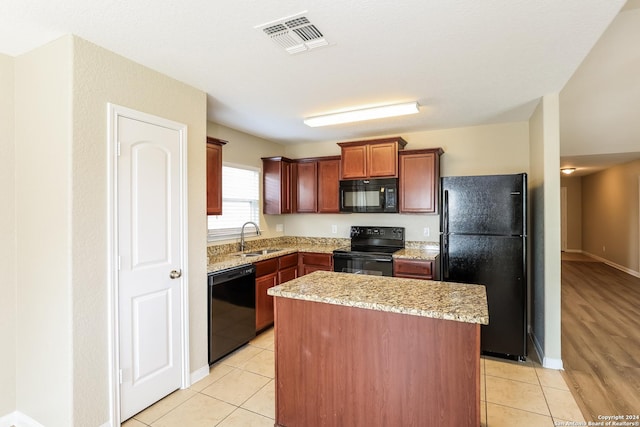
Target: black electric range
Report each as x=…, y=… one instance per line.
x=371, y=251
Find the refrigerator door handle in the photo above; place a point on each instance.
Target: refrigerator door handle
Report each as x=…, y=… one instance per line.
x=445, y=212
x=445, y=235
x=445, y=257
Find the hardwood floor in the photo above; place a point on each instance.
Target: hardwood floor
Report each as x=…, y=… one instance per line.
x=601, y=338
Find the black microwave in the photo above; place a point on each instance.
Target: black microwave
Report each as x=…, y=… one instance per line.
x=369, y=195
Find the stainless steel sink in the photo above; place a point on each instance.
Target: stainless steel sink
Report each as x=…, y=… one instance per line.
x=247, y=254
x=271, y=250
x=257, y=252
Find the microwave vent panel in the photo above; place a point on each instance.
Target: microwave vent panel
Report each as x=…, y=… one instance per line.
x=294, y=34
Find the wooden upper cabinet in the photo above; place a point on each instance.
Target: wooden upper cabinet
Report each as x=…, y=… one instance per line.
x=377, y=158
x=317, y=185
x=214, y=175
x=419, y=176
x=276, y=185
x=354, y=161
x=306, y=186
x=329, y=186
x=383, y=160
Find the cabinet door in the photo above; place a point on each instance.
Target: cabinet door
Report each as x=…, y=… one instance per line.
x=413, y=269
x=287, y=274
x=276, y=185
x=309, y=262
x=286, y=261
x=329, y=186
x=285, y=187
x=306, y=187
x=419, y=181
x=264, y=302
x=383, y=160
x=306, y=269
x=214, y=176
x=354, y=162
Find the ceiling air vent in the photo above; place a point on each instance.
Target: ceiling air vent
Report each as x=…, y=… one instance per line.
x=295, y=33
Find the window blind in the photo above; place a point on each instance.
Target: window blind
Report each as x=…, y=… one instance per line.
x=240, y=203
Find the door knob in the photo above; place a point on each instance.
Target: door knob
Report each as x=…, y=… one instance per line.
x=175, y=274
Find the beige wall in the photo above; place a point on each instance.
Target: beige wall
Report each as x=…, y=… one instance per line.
x=544, y=231
x=8, y=245
x=610, y=215
x=44, y=329
x=62, y=91
x=246, y=150
x=100, y=77
x=475, y=150
x=574, y=212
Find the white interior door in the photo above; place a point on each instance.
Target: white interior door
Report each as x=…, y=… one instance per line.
x=150, y=244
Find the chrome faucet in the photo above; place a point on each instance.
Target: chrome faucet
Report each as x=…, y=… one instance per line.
x=242, y=233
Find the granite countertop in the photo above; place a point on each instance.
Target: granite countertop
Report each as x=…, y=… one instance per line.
x=438, y=300
x=224, y=261
x=416, y=254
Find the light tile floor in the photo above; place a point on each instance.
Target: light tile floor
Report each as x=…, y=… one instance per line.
x=240, y=391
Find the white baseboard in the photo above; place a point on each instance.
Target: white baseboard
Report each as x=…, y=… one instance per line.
x=18, y=419
x=614, y=265
x=198, y=374
x=552, y=363
x=547, y=362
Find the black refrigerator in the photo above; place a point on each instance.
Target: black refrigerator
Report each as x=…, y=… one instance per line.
x=483, y=240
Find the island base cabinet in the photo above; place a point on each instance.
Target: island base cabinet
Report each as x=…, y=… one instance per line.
x=344, y=366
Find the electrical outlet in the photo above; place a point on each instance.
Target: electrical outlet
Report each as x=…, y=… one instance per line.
x=604, y=249
x=334, y=229
x=279, y=227
x=427, y=232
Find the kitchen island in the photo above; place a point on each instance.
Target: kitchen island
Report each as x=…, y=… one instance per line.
x=356, y=350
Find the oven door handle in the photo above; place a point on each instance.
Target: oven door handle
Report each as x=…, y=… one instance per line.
x=362, y=257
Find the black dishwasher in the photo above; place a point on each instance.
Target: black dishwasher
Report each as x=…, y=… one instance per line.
x=232, y=310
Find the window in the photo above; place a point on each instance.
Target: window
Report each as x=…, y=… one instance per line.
x=240, y=202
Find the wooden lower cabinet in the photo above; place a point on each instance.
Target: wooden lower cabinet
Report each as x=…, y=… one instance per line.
x=266, y=277
x=264, y=302
x=287, y=268
x=308, y=262
x=347, y=366
x=413, y=269
x=270, y=273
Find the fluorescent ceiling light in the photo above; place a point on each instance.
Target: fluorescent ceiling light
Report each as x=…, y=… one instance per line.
x=568, y=171
x=363, y=114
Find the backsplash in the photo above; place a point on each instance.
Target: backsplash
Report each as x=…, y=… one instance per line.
x=429, y=246
x=270, y=242
x=284, y=241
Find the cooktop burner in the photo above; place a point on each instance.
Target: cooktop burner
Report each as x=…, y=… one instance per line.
x=374, y=240
x=371, y=251
x=381, y=250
